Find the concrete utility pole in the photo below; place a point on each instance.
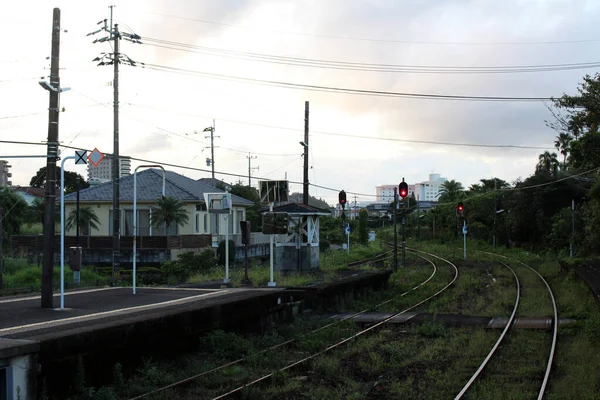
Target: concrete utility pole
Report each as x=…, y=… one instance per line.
x=305, y=185
x=211, y=129
x=115, y=58
x=52, y=154
x=572, y=228
x=395, y=230
x=250, y=157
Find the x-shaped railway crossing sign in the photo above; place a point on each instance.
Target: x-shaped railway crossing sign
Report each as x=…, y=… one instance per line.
x=81, y=157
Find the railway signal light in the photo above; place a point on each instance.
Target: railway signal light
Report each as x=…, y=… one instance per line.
x=460, y=208
x=403, y=189
x=342, y=199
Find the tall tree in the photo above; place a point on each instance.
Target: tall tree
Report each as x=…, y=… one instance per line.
x=39, y=180
x=583, y=109
x=585, y=152
x=87, y=218
x=13, y=211
x=252, y=213
x=548, y=162
x=170, y=211
x=450, y=191
x=562, y=145
x=35, y=212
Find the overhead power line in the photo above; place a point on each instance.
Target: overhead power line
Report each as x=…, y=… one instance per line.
x=332, y=89
x=428, y=142
x=574, y=176
x=352, y=38
x=363, y=66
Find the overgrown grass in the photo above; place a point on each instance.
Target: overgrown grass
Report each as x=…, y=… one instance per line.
x=20, y=274
x=259, y=274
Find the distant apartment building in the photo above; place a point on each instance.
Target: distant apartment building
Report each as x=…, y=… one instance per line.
x=385, y=193
x=424, y=191
x=429, y=190
x=104, y=171
x=4, y=174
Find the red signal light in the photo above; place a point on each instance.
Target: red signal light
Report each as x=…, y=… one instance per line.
x=460, y=207
x=403, y=189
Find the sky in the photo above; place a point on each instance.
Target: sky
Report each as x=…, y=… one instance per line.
x=356, y=141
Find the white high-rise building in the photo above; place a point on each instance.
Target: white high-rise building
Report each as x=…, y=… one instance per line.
x=429, y=190
x=104, y=171
x=385, y=193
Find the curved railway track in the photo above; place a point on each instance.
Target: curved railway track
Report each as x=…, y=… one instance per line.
x=358, y=334
x=508, y=326
x=377, y=258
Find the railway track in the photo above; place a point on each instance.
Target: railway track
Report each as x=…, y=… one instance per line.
x=180, y=384
x=372, y=260
x=493, y=352
x=360, y=333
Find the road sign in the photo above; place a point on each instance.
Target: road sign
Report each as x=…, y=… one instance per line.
x=348, y=230
x=95, y=157
x=80, y=156
x=464, y=230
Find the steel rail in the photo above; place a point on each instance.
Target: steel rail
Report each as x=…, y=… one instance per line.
x=500, y=339
x=555, y=325
x=287, y=342
x=348, y=339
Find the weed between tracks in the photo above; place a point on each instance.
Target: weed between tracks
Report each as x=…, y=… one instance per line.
x=417, y=362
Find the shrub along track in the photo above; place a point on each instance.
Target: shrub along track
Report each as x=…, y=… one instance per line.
x=276, y=349
x=493, y=382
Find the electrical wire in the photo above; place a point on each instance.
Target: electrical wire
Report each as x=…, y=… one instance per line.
x=325, y=187
x=545, y=42
x=428, y=142
x=363, y=66
x=332, y=89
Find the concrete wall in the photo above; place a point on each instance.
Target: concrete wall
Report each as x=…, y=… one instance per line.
x=18, y=358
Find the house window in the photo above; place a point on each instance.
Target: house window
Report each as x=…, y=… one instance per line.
x=143, y=223
x=197, y=223
x=161, y=229
x=240, y=217
x=205, y=222
x=3, y=384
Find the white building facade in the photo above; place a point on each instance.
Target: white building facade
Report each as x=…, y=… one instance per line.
x=104, y=171
x=5, y=175
x=429, y=190
x=385, y=193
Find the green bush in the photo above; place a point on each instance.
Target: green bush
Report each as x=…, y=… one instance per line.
x=188, y=264
x=324, y=245
x=221, y=252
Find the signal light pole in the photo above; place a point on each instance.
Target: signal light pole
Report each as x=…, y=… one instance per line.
x=403, y=193
x=395, y=231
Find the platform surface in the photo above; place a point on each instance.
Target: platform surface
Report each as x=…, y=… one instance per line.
x=22, y=317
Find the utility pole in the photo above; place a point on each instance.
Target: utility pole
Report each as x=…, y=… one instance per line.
x=495, y=215
x=250, y=157
x=418, y=218
x=211, y=129
x=1, y=255
x=52, y=154
x=305, y=184
x=115, y=58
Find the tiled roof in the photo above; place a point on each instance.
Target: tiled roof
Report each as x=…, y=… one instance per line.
x=149, y=188
x=34, y=191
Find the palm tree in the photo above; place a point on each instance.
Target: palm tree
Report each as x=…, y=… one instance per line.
x=87, y=217
x=562, y=145
x=450, y=190
x=169, y=211
x=548, y=162
x=35, y=212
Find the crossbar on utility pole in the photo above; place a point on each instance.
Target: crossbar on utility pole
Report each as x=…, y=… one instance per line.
x=250, y=157
x=115, y=58
x=50, y=192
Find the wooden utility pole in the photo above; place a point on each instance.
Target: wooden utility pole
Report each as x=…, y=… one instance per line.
x=52, y=155
x=305, y=144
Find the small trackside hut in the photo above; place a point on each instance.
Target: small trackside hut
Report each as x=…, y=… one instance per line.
x=298, y=250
